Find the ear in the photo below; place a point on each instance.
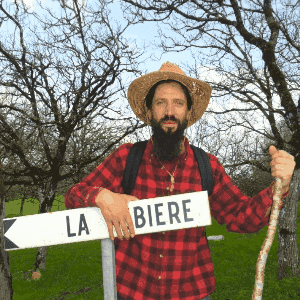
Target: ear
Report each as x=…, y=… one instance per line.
x=188, y=115
x=148, y=115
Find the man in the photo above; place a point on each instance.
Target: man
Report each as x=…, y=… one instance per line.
x=176, y=264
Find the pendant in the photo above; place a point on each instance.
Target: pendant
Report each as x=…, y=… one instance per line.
x=172, y=184
x=172, y=188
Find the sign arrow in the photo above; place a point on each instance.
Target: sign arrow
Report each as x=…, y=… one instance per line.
x=86, y=224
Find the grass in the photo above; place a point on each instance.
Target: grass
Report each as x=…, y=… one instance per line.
x=74, y=271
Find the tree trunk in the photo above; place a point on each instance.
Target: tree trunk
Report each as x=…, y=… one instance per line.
x=287, y=236
x=46, y=195
x=6, y=290
x=22, y=205
x=40, y=261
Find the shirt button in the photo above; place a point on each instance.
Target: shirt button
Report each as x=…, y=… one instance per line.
x=161, y=256
x=159, y=277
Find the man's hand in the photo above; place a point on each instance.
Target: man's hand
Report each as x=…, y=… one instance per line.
x=282, y=165
x=114, y=208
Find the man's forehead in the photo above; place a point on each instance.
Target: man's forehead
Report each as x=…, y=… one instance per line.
x=164, y=89
x=168, y=85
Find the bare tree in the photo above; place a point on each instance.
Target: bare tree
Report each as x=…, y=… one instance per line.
x=288, y=254
x=77, y=152
x=6, y=290
x=253, y=47
x=60, y=74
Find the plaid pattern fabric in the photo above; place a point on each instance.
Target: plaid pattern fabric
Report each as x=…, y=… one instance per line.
x=173, y=264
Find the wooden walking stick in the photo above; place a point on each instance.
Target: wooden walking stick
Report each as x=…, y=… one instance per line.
x=263, y=255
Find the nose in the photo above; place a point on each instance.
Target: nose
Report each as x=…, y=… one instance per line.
x=170, y=109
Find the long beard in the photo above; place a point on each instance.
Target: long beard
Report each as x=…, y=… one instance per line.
x=167, y=144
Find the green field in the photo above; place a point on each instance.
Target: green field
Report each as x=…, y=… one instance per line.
x=74, y=271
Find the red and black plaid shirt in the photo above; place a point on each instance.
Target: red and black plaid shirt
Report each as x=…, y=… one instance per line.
x=173, y=264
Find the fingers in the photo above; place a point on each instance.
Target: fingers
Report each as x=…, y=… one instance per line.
x=110, y=225
x=282, y=154
x=129, y=219
x=131, y=227
x=121, y=220
x=118, y=225
x=110, y=230
x=125, y=230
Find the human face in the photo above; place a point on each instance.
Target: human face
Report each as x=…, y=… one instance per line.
x=169, y=106
x=168, y=138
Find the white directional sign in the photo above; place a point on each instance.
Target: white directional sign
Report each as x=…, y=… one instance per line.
x=85, y=224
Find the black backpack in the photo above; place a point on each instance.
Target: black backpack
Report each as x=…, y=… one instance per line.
x=135, y=157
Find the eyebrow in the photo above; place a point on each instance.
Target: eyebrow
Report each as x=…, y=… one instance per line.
x=173, y=99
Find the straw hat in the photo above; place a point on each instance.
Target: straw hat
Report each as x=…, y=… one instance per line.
x=200, y=91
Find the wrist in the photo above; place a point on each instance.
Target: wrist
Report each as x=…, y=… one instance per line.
x=99, y=197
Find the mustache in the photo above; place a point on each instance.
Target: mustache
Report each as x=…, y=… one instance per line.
x=168, y=119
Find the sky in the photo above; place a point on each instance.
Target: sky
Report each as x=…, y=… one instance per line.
x=147, y=33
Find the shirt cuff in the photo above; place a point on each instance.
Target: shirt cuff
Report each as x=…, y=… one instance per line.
x=89, y=195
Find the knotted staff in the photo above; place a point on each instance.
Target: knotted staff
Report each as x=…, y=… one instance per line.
x=263, y=255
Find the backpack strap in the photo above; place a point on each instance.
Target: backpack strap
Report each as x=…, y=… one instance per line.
x=135, y=157
x=132, y=166
x=204, y=169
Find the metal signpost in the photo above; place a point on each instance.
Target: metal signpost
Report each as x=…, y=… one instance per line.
x=85, y=224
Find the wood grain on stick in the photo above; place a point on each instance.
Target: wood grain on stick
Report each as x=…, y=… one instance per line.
x=263, y=255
